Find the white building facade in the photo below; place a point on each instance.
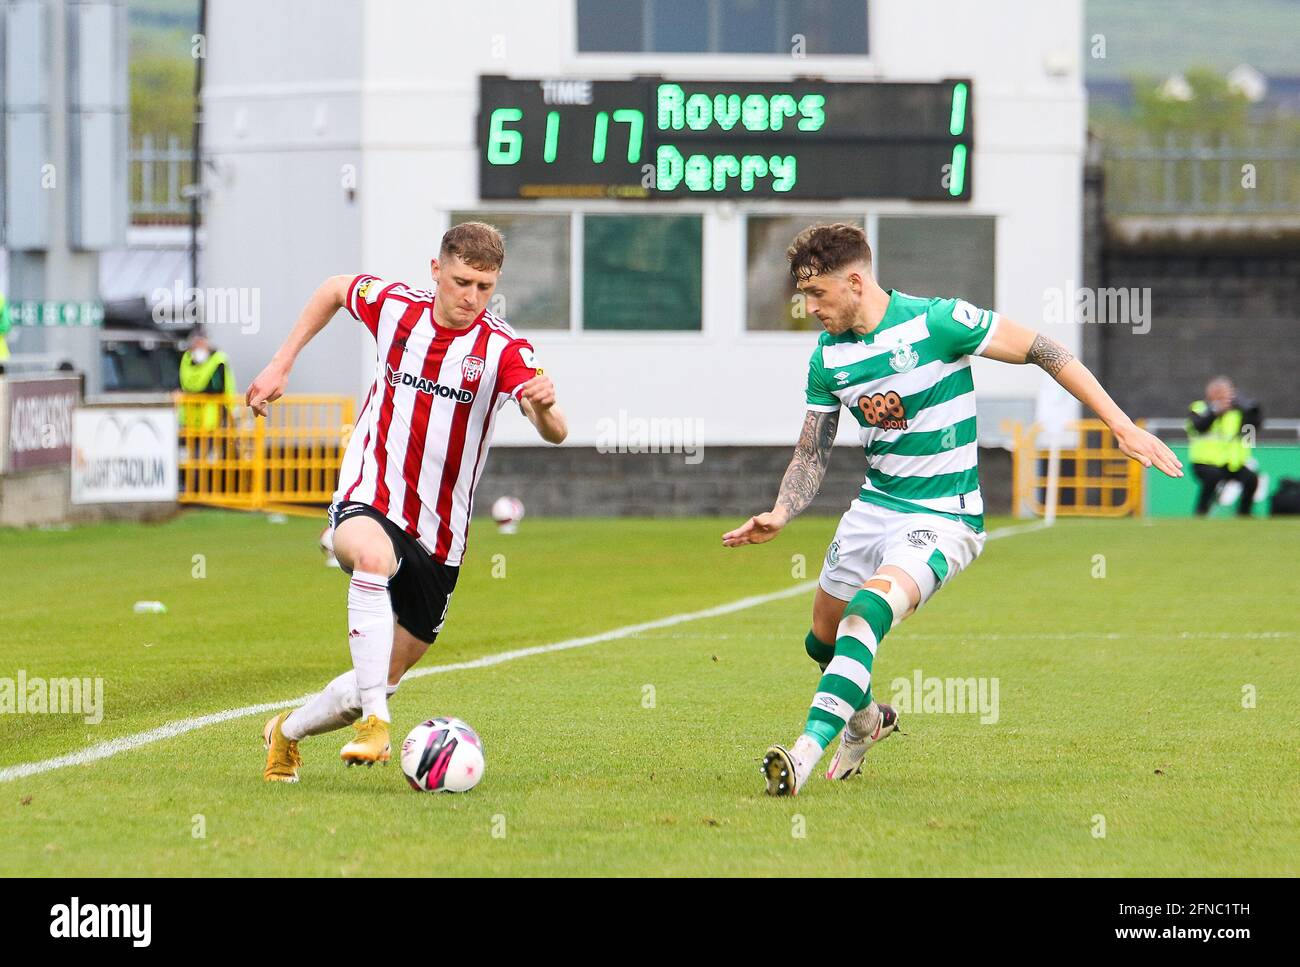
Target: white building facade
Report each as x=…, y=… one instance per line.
x=344, y=137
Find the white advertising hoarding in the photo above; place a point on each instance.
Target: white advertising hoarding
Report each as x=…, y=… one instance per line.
x=123, y=455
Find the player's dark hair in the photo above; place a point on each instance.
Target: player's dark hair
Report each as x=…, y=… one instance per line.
x=474, y=243
x=827, y=248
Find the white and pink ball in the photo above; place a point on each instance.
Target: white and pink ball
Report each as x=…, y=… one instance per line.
x=442, y=755
x=508, y=512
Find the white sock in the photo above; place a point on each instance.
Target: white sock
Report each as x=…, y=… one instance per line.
x=805, y=753
x=337, y=705
x=370, y=639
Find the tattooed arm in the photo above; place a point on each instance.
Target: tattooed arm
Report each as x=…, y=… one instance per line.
x=1049, y=354
x=812, y=454
x=1013, y=343
x=802, y=480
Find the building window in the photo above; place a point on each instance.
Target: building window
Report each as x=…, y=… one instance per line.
x=772, y=303
x=814, y=27
x=642, y=272
x=677, y=26
x=534, y=289
x=937, y=256
x=752, y=27
x=614, y=28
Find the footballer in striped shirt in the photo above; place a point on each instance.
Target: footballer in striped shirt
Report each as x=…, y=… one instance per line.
x=900, y=365
x=444, y=368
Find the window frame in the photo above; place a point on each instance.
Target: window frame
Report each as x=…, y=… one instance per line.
x=657, y=209
x=575, y=333
x=829, y=214
x=871, y=225
x=482, y=209
x=712, y=330
x=708, y=66
x=992, y=217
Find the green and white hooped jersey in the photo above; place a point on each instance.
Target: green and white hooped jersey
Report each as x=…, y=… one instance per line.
x=908, y=384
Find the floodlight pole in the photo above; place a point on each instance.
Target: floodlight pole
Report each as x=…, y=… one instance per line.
x=196, y=145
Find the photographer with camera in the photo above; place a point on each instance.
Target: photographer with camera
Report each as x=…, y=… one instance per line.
x=1221, y=430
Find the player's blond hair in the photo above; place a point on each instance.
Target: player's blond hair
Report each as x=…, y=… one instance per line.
x=827, y=248
x=474, y=243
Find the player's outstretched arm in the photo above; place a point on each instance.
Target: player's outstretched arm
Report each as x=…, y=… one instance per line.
x=537, y=400
x=1014, y=343
x=803, y=478
x=269, y=386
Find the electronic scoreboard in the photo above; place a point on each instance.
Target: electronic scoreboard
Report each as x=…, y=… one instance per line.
x=653, y=138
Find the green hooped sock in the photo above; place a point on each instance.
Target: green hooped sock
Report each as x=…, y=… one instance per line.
x=867, y=699
x=818, y=650
x=839, y=697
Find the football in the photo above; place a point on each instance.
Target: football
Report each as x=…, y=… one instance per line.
x=508, y=512
x=442, y=755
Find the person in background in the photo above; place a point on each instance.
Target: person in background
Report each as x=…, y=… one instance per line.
x=206, y=371
x=4, y=329
x=1220, y=432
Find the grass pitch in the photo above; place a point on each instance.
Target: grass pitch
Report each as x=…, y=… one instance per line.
x=1123, y=707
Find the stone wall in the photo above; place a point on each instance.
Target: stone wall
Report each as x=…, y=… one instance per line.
x=43, y=498
x=1225, y=299
x=728, y=482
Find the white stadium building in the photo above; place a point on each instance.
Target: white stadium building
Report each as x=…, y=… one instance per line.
x=346, y=137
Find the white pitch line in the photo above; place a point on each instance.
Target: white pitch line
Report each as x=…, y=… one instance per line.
x=104, y=750
x=126, y=743
x=673, y=619
x=1012, y=529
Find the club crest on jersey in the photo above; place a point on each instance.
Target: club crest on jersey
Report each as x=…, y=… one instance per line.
x=423, y=385
x=904, y=358
x=472, y=368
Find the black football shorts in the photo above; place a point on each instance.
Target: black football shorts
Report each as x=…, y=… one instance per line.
x=421, y=588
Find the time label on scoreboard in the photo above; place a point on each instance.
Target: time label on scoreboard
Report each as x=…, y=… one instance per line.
x=653, y=138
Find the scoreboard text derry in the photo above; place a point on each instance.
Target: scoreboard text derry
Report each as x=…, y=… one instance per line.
x=652, y=138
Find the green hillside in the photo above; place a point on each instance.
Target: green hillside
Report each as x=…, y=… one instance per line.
x=1163, y=36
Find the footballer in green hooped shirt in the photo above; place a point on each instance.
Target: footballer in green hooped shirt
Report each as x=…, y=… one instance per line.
x=901, y=366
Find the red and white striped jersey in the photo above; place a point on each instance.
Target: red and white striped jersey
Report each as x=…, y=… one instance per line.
x=422, y=436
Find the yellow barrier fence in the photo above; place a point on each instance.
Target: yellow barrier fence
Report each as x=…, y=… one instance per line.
x=229, y=457
x=1095, y=478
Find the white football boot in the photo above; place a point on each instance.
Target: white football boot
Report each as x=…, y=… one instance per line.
x=870, y=725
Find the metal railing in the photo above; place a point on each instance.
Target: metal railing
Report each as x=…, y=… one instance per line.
x=1192, y=176
x=1094, y=478
x=229, y=457
x=159, y=181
